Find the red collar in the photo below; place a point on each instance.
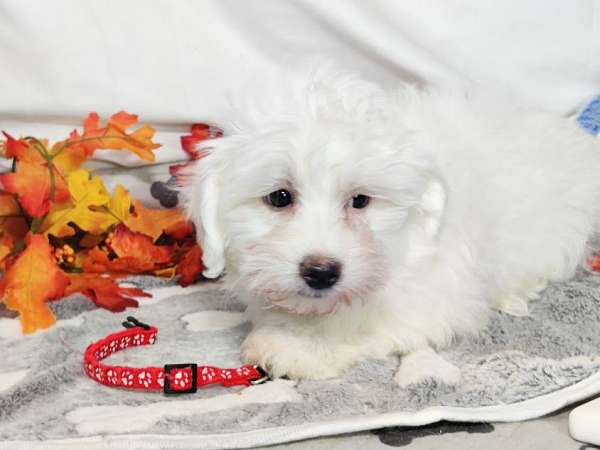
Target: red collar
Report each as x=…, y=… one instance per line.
x=171, y=378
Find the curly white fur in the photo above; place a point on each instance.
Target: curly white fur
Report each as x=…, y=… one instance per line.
x=475, y=205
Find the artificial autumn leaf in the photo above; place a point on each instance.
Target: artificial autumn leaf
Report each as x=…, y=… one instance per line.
x=48, y=191
x=180, y=230
x=190, y=266
x=105, y=292
x=126, y=243
x=120, y=203
x=112, y=136
x=168, y=273
x=6, y=246
x=31, y=281
x=199, y=132
x=189, y=144
x=154, y=222
x=16, y=227
x=8, y=205
x=98, y=261
x=13, y=226
x=70, y=154
x=14, y=148
x=135, y=253
x=33, y=182
x=138, y=142
x=88, y=207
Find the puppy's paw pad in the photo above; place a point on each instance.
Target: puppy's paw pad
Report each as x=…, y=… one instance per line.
x=424, y=365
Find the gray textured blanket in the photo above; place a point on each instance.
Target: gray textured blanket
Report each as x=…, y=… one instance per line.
x=518, y=368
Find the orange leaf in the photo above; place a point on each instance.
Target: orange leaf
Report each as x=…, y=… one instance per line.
x=114, y=136
x=6, y=246
x=12, y=230
x=97, y=261
x=71, y=153
x=31, y=281
x=153, y=222
x=16, y=227
x=104, y=291
x=13, y=226
x=126, y=243
x=31, y=179
x=8, y=205
x=135, y=254
x=190, y=266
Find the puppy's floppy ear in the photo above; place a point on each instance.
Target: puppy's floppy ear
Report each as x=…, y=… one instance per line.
x=428, y=221
x=432, y=207
x=202, y=199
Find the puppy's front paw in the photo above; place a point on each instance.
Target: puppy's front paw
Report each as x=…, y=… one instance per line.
x=426, y=364
x=286, y=355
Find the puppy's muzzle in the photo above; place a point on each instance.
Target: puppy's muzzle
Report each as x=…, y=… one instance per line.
x=319, y=272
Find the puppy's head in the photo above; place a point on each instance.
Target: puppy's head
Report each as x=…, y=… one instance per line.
x=315, y=196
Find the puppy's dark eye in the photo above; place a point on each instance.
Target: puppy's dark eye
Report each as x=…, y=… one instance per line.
x=360, y=201
x=279, y=199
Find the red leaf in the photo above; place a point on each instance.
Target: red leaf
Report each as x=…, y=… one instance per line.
x=14, y=148
x=200, y=132
x=97, y=261
x=104, y=291
x=190, y=266
x=189, y=143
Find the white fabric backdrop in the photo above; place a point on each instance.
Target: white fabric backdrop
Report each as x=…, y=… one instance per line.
x=173, y=62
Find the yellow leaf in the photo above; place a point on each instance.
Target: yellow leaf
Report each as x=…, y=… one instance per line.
x=120, y=203
x=88, y=207
x=69, y=160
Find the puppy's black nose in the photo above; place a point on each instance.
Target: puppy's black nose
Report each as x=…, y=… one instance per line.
x=319, y=272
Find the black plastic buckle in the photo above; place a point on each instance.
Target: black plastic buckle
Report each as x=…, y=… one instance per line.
x=264, y=376
x=132, y=322
x=167, y=389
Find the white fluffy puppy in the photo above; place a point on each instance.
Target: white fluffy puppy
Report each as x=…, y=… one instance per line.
x=356, y=222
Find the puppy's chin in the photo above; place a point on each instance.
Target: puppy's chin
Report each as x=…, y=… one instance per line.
x=308, y=302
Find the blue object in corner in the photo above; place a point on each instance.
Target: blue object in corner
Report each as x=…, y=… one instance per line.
x=589, y=119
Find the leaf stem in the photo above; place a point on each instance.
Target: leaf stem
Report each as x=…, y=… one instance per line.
x=36, y=224
x=52, y=181
x=108, y=210
x=78, y=141
x=39, y=146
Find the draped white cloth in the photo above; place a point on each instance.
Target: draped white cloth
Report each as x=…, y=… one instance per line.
x=173, y=62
